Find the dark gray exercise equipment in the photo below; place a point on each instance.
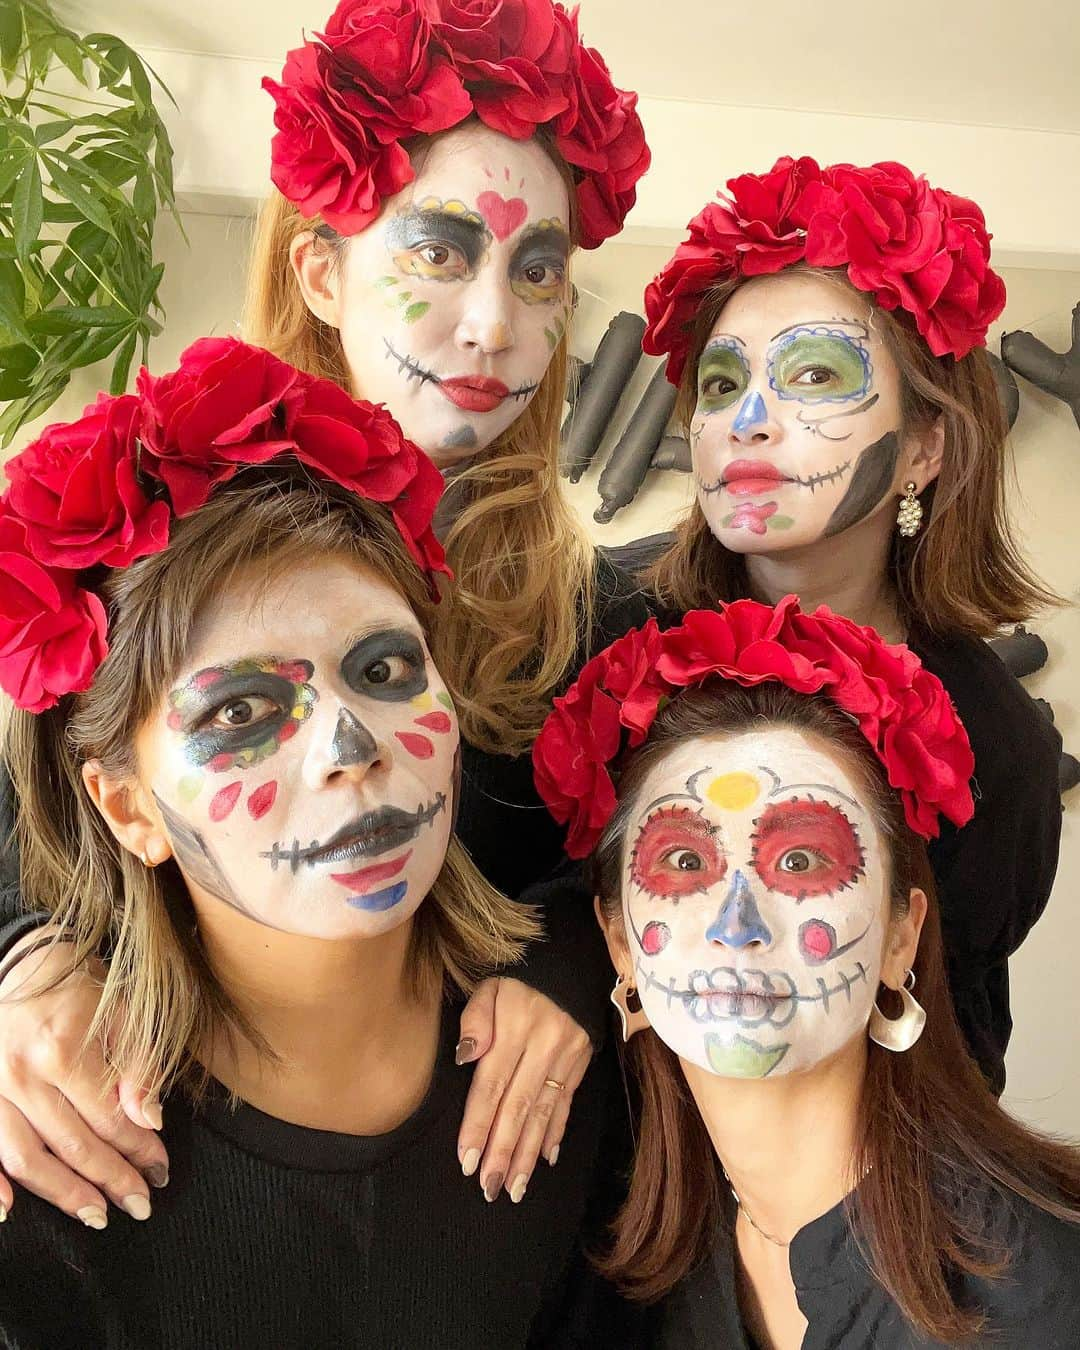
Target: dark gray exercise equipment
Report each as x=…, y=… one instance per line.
x=1058, y=373
x=609, y=373
x=1023, y=653
x=632, y=457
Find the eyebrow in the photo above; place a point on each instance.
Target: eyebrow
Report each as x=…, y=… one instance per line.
x=537, y=239
x=822, y=323
x=410, y=228
x=816, y=787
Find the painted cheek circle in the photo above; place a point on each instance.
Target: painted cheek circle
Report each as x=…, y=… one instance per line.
x=654, y=938
x=817, y=940
x=667, y=831
x=823, y=832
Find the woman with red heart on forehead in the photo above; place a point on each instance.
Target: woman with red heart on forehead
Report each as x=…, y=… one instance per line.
x=436, y=163
x=826, y=330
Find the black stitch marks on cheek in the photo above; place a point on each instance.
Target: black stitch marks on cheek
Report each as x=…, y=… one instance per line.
x=869, y=484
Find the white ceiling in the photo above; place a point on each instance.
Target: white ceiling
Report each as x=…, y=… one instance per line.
x=992, y=62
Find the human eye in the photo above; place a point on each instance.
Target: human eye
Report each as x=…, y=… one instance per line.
x=539, y=281
x=801, y=861
x=676, y=853
x=806, y=848
x=434, y=259
x=390, y=666
x=242, y=712
x=820, y=367
x=684, y=860
x=722, y=375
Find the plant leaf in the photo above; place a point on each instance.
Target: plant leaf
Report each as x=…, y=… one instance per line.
x=84, y=202
x=69, y=318
x=27, y=207
x=122, y=365
x=11, y=36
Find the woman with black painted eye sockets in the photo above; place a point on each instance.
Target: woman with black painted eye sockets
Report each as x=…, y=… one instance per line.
x=819, y=1162
x=255, y=758
x=417, y=252
x=849, y=446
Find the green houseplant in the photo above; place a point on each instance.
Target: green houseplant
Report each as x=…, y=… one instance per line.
x=85, y=165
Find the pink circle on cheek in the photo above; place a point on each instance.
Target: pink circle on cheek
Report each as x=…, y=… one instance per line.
x=655, y=938
x=817, y=940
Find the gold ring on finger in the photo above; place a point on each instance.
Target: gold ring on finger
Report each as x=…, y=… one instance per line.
x=554, y=1082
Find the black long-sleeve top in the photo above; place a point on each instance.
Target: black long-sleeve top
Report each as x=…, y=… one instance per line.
x=1034, y=1306
x=270, y=1234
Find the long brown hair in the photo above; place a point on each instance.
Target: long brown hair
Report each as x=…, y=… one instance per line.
x=523, y=565
x=963, y=574
x=161, y=1001
x=929, y=1126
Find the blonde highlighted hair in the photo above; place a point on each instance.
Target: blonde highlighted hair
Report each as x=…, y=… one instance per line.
x=524, y=568
x=963, y=574
x=161, y=1002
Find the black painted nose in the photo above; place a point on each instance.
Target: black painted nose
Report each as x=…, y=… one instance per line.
x=353, y=743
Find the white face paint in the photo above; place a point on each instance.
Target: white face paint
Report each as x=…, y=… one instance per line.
x=452, y=303
x=303, y=761
x=795, y=436
x=755, y=901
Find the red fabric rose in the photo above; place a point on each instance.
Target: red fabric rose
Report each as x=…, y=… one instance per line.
x=52, y=634
x=515, y=56
x=910, y=246
x=901, y=708
x=601, y=136
x=75, y=489
x=221, y=408
x=360, y=446
x=376, y=77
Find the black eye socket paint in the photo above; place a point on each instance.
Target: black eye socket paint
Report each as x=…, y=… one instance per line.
x=205, y=740
x=869, y=483
x=546, y=246
x=388, y=665
x=410, y=229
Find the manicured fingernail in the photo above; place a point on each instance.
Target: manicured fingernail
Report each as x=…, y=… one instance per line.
x=92, y=1216
x=517, y=1190
x=3, y=1214
x=553, y=1156
x=152, y=1114
x=137, y=1206
x=465, y=1051
x=471, y=1161
x=157, y=1174
x=493, y=1186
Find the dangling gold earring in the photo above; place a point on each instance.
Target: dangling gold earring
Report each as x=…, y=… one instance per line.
x=628, y=1002
x=899, y=1033
x=909, y=517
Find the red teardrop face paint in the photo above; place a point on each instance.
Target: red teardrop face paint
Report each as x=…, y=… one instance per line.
x=435, y=721
x=420, y=747
x=222, y=803
x=261, y=800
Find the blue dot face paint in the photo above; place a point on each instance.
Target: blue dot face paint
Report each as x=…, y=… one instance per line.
x=755, y=899
x=795, y=434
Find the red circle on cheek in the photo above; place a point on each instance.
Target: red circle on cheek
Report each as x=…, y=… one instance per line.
x=817, y=940
x=655, y=938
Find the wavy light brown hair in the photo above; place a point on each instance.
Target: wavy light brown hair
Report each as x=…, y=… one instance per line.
x=963, y=574
x=523, y=565
x=160, y=1001
x=928, y=1124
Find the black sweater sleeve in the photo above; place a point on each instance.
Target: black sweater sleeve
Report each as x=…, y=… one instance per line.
x=14, y=922
x=994, y=876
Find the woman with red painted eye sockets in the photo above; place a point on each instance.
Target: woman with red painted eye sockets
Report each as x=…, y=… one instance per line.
x=236, y=763
x=819, y=1161
x=825, y=328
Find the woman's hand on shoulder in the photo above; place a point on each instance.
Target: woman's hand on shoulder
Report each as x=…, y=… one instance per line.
x=530, y=1057
x=64, y=1134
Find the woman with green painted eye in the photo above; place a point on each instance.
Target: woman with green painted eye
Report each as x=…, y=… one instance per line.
x=825, y=329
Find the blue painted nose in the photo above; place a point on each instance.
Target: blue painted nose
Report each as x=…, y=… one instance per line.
x=751, y=414
x=739, y=921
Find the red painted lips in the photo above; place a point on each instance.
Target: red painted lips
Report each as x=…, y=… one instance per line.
x=474, y=393
x=367, y=877
x=746, y=477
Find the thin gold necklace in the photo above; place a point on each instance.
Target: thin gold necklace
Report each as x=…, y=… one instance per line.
x=750, y=1220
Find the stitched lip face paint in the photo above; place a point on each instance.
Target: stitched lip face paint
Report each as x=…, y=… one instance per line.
x=452, y=303
x=794, y=437
x=334, y=829
x=755, y=900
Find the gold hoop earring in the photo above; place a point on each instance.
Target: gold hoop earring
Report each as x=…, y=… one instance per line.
x=909, y=517
x=899, y=1033
x=628, y=1003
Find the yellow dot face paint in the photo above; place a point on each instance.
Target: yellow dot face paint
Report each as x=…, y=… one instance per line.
x=422, y=702
x=733, y=791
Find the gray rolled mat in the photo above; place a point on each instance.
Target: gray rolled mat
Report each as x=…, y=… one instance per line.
x=609, y=374
x=1058, y=373
x=630, y=460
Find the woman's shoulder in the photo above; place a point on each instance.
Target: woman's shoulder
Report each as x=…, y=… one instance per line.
x=1005, y=725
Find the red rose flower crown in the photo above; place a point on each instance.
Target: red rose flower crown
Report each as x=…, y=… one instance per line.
x=385, y=70
x=102, y=491
x=911, y=246
x=901, y=708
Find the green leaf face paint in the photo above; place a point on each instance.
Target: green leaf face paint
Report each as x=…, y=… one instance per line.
x=820, y=365
x=722, y=376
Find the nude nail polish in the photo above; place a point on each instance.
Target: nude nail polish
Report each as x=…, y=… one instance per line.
x=152, y=1114
x=493, y=1186
x=92, y=1216
x=471, y=1161
x=464, y=1051
x=138, y=1206
x=517, y=1190
x=3, y=1214
x=553, y=1156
